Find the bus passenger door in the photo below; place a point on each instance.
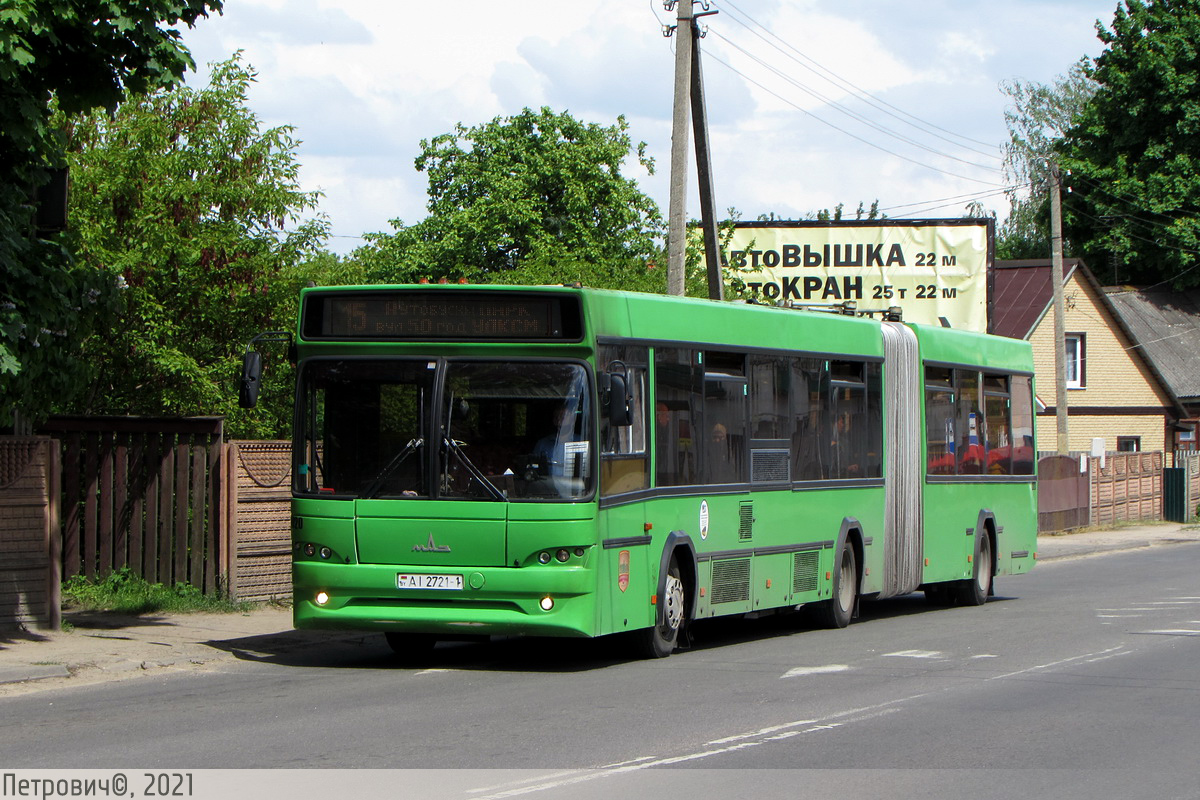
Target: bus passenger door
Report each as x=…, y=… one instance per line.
x=626, y=560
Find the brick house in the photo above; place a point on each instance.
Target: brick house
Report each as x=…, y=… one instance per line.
x=1115, y=392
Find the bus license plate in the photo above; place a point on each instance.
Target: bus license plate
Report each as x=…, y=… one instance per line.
x=406, y=580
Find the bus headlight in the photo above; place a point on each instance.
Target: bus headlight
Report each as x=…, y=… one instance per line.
x=547, y=603
x=322, y=598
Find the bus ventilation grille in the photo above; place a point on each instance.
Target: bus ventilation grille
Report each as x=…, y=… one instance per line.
x=770, y=466
x=745, y=521
x=731, y=580
x=804, y=571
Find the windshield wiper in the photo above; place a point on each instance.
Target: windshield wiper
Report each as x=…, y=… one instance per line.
x=456, y=447
x=398, y=459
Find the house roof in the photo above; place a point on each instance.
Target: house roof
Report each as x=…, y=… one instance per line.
x=1166, y=326
x=1021, y=293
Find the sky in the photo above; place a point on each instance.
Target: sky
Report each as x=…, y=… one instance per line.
x=811, y=103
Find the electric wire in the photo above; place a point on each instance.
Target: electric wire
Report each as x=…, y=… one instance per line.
x=862, y=94
x=970, y=196
x=827, y=123
x=848, y=112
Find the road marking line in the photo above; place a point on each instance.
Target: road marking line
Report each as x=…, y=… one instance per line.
x=773, y=733
x=827, y=669
x=760, y=732
x=914, y=654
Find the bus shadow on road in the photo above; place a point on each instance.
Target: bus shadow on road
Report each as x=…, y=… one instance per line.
x=369, y=651
x=311, y=649
x=730, y=631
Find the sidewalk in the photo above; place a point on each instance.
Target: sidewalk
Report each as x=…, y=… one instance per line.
x=105, y=647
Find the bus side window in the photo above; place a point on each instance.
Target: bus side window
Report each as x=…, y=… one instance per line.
x=810, y=400
x=624, y=461
x=939, y=421
x=678, y=412
x=1021, y=390
x=997, y=424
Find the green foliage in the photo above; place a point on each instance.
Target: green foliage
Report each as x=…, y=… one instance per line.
x=194, y=211
x=1134, y=151
x=126, y=593
x=81, y=54
x=523, y=193
x=835, y=214
x=1038, y=118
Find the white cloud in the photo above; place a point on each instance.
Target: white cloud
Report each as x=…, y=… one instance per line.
x=364, y=81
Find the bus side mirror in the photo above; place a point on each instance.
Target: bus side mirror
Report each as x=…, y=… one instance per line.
x=615, y=402
x=251, y=379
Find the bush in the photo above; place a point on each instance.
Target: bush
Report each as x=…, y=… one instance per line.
x=127, y=593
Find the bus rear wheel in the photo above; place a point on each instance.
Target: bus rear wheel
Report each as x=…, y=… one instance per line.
x=975, y=591
x=837, y=610
x=659, y=640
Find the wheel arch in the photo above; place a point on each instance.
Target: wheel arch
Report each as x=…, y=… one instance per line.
x=852, y=531
x=985, y=525
x=679, y=543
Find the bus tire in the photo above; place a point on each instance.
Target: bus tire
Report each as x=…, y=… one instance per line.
x=410, y=646
x=837, y=610
x=975, y=591
x=670, y=613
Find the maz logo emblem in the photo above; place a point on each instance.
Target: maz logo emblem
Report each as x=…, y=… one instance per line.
x=431, y=547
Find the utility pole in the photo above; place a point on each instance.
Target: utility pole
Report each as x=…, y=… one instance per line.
x=689, y=92
x=708, y=205
x=677, y=214
x=1060, y=336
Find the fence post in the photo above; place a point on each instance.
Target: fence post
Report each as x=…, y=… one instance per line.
x=229, y=537
x=54, y=534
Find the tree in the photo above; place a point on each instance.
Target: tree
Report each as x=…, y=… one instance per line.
x=80, y=54
x=1038, y=118
x=523, y=192
x=1134, y=152
x=195, y=211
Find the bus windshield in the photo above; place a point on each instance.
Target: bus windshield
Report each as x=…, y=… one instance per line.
x=502, y=430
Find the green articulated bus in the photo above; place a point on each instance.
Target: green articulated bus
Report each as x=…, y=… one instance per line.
x=559, y=461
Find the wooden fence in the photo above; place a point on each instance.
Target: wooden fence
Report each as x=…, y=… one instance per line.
x=1064, y=494
x=30, y=577
x=260, y=531
x=142, y=494
x=1119, y=487
x=1128, y=487
x=173, y=502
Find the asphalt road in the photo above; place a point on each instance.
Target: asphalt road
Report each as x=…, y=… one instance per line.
x=1081, y=679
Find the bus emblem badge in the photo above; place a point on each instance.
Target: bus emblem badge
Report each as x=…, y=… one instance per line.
x=623, y=570
x=431, y=547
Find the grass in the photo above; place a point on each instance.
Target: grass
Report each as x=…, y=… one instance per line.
x=126, y=593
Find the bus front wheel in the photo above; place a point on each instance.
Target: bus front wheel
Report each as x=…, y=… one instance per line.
x=659, y=640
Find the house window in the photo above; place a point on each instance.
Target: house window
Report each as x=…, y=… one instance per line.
x=1076, y=359
x=1129, y=444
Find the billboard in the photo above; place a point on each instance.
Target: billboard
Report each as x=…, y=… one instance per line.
x=935, y=270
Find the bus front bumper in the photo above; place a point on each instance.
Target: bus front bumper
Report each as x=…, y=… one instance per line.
x=549, y=600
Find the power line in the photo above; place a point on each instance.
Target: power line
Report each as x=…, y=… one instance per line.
x=867, y=142
x=980, y=195
x=852, y=114
x=868, y=98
